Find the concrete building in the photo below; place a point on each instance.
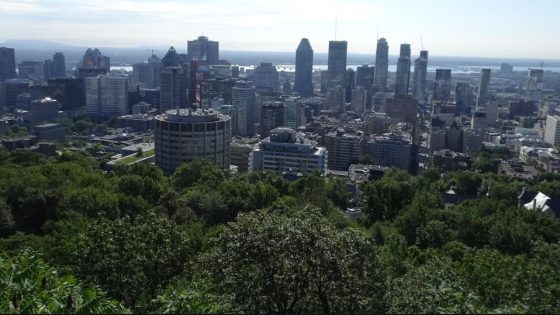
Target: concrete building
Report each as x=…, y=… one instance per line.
x=265, y=78
x=13, y=88
x=437, y=140
x=183, y=135
x=378, y=123
x=344, y=149
x=336, y=99
x=304, y=69
x=244, y=99
x=50, y=132
x=272, y=117
x=7, y=64
x=447, y=161
x=472, y=140
x=552, y=130
x=479, y=121
x=337, y=62
x=232, y=113
x=534, y=85
x=390, y=150
x=381, y=66
x=173, y=91
x=442, y=85
x=294, y=112
x=521, y=108
x=137, y=122
x=402, y=108
x=420, y=77
x=107, y=95
x=241, y=149
x=288, y=151
x=403, y=71
x=359, y=100
x=204, y=49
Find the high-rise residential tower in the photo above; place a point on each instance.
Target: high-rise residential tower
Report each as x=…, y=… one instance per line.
x=483, y=93
x=106, y=95
x=59, y=65
x=244, y=99
x=420, y=77
x=204, y=49
x=7, y=64
x=304, y=68
x=94, y=64
x=403, y=71
x=364, y=78
x=381, y=66
x=337, y=62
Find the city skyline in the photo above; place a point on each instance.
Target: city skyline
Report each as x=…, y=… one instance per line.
x=493, y=29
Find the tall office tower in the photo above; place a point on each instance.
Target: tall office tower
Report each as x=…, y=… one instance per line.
x=534, y=85
x=464, y=99
x=43, y=110
x=48, y=70
x=59, y=65
x=93, y=64
x=359, y=100
x=107, y=95
x=139, y=73
x=336, y=99
x=266, y=78
x=483, y=93
x=364, y=78
x=420, y=75
x=171, y=58
x=349, y=83
x=7, y=64
x=243, y=98
x=304, y=68
x=204, y=49
x=344, y=148
x=472, y=141
x=381, y=66
x=272, y=116
x=403, y=71
x=337, y=62
x=442, y=85
x=552, y=130
x=288, y=151
x=506, y=68
x=392, y=151
x=294, y=112
x=183, y=135
x=13, y=88
x=173, y=90
x=153, y=77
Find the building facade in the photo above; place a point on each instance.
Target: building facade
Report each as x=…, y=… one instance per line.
x=304, y=69
x=183, y=135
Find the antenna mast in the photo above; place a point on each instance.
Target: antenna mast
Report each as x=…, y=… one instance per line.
x=422, y=42
x=335, y=27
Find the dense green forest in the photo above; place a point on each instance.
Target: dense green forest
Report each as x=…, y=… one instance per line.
x=76, y=239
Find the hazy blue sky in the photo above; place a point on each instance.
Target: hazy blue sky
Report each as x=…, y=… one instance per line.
x=478, y=28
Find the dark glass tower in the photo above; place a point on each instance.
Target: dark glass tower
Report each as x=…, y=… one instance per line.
x=304, y=68
x=420, y=75
x=337, y=62
x=483, y=93
x=403, y=71
x=381, y=66
x=59, y=65
x=7, y=63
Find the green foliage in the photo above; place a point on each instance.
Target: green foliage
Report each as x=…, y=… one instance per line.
x=384, y=199
x=193, y=298
x=269, y=262
x=134, y=259
x=29, y=286
x=197, y=172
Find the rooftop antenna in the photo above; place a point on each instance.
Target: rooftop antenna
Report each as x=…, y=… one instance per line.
x=377, y=33
x=422, y=42
x=335, y=27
